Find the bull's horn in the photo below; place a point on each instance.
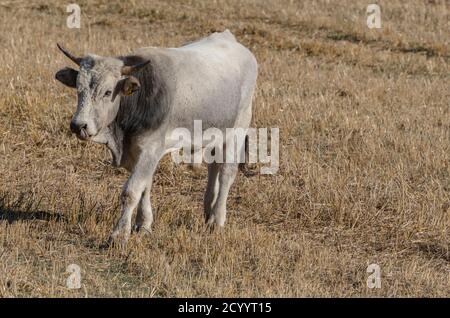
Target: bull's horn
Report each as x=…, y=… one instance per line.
x=76, y=60
x=130, y=69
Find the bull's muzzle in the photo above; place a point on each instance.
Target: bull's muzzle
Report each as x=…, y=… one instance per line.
x=80, y=130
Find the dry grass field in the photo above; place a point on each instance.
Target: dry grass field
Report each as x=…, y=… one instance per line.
x=364, y=118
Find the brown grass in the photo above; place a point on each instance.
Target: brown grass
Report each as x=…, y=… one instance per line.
x=364, y=177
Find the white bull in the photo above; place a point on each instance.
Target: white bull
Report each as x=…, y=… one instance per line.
x=133, y=104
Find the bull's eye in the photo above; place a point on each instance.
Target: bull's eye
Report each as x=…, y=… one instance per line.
x=108, y=93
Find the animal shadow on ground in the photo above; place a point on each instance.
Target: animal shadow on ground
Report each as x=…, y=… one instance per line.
x=23, y=209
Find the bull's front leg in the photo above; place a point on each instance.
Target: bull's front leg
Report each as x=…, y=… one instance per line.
x=144, y=216
x=132, y=193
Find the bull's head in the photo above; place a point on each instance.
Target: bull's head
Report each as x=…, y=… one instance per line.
x=99, y=82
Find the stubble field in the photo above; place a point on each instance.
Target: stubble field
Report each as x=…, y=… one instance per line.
x=364, y=173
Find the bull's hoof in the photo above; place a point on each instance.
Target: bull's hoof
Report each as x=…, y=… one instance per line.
x=210, y=220
x=118, y=239
x=212, y=225
x=142, y=229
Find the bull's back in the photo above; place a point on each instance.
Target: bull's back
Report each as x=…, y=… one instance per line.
x=210, y=76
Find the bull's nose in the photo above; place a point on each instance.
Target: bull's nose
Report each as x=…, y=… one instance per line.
x=77, y=127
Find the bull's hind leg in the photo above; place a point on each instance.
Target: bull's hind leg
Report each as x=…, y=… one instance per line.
x=212, y=191
x=224, y=176
x=227, y=174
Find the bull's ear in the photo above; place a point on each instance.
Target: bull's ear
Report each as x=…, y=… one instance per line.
x=126, y=86
x=67, y=76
